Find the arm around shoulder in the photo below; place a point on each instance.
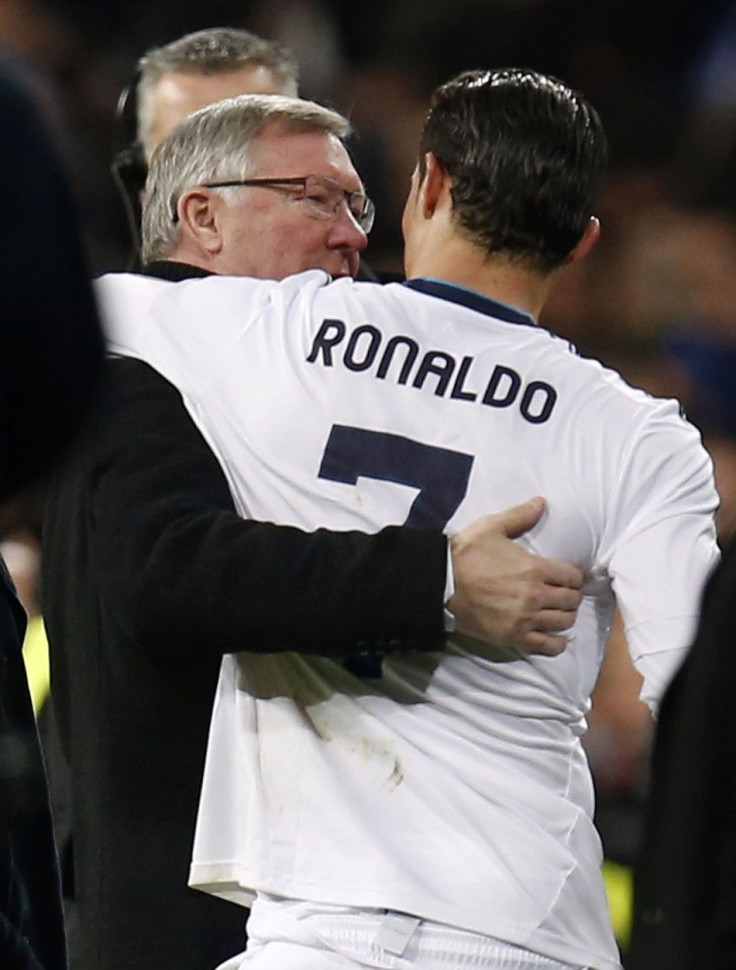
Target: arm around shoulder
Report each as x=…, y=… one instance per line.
x=178, y=567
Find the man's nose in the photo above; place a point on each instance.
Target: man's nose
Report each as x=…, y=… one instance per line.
x=346, y=232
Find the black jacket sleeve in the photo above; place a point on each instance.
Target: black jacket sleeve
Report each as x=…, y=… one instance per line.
x=176, y=565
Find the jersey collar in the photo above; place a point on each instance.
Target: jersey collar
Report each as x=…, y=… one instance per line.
x=469, y=298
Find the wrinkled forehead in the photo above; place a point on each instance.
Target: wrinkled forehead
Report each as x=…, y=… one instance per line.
x=278, y=151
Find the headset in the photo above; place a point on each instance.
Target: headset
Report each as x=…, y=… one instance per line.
x=129, y=167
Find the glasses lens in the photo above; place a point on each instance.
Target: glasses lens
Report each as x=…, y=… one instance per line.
x=364, y=212
x=322, y=194
x=325, y=196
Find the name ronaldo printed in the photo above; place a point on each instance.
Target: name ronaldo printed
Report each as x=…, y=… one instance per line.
x=366, y=348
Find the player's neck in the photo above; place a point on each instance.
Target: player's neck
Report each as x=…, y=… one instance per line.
x=495, y=276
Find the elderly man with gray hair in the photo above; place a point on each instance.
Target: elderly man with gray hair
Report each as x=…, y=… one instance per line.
x=258, y=186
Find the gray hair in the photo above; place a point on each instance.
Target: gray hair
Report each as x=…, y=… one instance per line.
x=214, y=144
x=217, y=50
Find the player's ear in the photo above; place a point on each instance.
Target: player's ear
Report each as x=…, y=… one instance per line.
x=200, y=217
x=589, y=238
x=434, y=181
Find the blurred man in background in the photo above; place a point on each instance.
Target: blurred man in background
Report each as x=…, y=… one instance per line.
x=176, y=79
x=51, y=351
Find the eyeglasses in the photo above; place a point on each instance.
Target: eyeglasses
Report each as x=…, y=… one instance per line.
x=322, y=196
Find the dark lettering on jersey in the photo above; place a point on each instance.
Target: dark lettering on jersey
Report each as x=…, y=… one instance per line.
x=331, y=332
x=412, y=352
x=458, y=391
x=435, y=368
x=538, y=412
x=369, y=347
x=441, y=365
x=503, y=387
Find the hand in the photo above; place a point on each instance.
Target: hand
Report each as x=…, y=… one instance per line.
x=507, y=595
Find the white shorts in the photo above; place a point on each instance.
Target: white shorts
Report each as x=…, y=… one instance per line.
x=285, y=934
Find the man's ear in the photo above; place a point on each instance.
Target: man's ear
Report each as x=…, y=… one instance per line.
x=199, y=215
x=432, y=184
x=589, y=238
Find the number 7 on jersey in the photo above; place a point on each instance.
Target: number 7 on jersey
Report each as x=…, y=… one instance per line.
x=440, y=475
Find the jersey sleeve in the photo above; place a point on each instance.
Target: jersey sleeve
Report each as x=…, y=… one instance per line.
x=663, y=544
x=187, y=331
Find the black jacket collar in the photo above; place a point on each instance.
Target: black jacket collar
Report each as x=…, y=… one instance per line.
x=166, y=269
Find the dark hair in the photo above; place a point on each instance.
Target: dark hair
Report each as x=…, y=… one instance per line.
x=527, y=157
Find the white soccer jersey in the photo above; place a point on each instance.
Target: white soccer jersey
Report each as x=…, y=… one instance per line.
x=455, y=787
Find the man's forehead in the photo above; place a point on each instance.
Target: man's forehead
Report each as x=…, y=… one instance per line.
x=192, y=90
x=177, y=94
x=279, y=151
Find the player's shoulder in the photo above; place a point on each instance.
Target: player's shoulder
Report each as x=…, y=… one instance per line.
x=618, y=405
x=598, y=376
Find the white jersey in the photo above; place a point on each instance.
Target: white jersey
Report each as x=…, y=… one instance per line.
x=455, y=788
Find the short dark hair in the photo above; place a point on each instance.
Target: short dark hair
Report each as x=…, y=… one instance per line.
x=527, y=157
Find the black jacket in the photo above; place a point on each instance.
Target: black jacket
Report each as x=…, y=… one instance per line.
x=149, y=576
x=685, y=881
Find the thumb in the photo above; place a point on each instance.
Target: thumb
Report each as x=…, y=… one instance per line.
x=517, y=520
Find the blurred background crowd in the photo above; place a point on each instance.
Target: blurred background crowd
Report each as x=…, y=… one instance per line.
x=657, y=298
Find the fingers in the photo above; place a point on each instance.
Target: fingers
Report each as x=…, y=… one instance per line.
x=554, y=621
x=507, y=595
x=519, y=519
x=563, y=598
x=546, y=644
x=515, y=521
x=558, y=573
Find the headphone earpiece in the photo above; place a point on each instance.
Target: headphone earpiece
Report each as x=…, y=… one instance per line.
x=126, y=113
x=129, y=166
